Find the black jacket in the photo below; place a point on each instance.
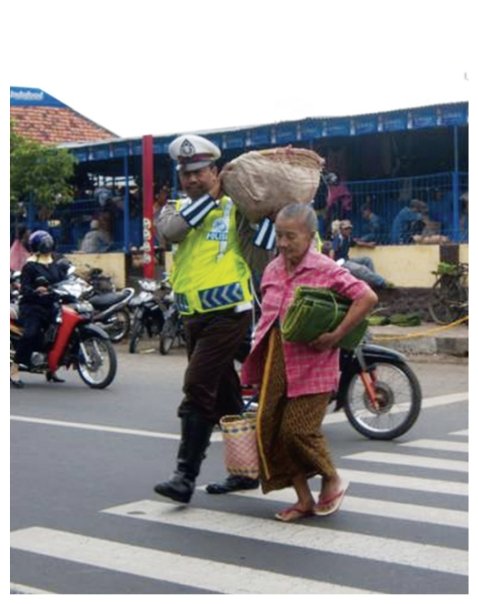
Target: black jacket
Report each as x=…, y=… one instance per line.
x=35, y=274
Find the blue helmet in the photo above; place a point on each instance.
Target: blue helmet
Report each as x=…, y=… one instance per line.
x=41, y=242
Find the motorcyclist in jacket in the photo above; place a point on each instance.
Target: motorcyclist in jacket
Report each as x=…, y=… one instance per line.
x=38, y=304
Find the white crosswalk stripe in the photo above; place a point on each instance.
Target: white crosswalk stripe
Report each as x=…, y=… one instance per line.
x=164, y=566
x=437, y=445
x=318, y=538
x=19, y=588
x=315, y=535
x=411, y=460
x=409, y=483
x=380, y=507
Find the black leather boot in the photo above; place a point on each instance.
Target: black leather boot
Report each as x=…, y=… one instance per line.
x=195, y=438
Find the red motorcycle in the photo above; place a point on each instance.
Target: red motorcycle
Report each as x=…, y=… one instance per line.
x=72, y=341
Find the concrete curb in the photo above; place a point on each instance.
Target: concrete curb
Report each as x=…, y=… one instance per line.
x=425, y=339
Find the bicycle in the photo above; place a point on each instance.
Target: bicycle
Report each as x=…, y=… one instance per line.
x=449, y=297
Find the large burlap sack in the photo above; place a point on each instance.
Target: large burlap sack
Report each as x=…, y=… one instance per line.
x=263, y=182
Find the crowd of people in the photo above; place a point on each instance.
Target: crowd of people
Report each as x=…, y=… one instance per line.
x=416, y=221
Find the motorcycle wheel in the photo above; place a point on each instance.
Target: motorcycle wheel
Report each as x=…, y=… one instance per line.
x=399, y=400
x=167, y=336
x=142, y=341
x=119, y=326
x=97, y=362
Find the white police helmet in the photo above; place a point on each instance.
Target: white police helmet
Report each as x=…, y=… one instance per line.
x=193, y=152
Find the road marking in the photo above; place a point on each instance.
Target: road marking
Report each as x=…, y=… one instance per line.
x=444, y=399
x=20, y=589
x=376, y=507
x=410, y=483
x=164, y=566
x=410, y=460
x=311, y=536
x=427, y=403
x=331, y=418
x=100, y=428
x=437, y=445
x=460, y=433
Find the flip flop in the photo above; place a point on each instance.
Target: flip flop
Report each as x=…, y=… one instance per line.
x=293, y=513
x=331, y=504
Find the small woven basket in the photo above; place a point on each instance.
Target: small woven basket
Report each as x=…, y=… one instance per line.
x=240, y=446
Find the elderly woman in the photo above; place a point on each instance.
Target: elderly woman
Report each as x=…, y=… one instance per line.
x=297, y=379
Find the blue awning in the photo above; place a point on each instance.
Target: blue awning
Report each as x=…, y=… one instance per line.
x=291, y=132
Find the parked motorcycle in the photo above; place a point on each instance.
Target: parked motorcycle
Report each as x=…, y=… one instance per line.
x=148, y=308
x=110, y=307
x=73, y=341
x=112, y=312
x=378, y=392
x=100, y=282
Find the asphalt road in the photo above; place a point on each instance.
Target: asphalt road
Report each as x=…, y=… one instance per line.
x=85, y=520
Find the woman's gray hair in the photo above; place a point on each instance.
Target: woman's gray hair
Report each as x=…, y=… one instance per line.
x=301, y=211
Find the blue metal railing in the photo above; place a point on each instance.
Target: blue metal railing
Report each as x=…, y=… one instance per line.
x=442, y=192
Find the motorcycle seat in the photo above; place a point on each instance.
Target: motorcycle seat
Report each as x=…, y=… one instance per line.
x=104, y=301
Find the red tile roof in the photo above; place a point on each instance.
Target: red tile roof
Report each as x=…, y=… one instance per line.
x=55, y=125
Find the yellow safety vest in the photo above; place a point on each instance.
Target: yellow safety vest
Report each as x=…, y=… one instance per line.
x=209, y=272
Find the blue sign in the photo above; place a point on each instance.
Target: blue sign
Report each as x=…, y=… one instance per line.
x=119, y=150
x=425, y=118
x=311, y=129
x=286, y=133
x=261, y=136
x=395, y=121
x=80, y=154
x=102, y=153
x=33, y=97
x=160, y=147
x=338, y=127
x=366, y=124
x=234, y=140
x=454, y=116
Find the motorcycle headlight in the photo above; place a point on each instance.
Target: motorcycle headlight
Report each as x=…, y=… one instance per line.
x=148, y=285
x=83, y=308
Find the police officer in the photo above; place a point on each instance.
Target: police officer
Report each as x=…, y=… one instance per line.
x=211, y=282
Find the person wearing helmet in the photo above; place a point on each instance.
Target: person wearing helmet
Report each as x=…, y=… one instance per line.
x=37, y=302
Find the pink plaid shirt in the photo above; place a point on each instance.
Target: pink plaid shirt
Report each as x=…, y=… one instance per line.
x=307, y=371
